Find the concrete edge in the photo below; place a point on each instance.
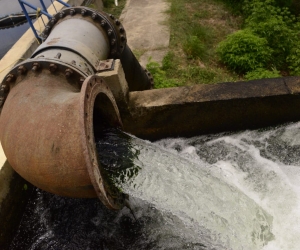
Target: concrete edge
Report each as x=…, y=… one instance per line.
x=203, y=109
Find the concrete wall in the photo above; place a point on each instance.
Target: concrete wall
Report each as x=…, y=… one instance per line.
x=203, y=109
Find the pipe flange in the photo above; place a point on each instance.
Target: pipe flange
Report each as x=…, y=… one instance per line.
x=150, y=78
x=38, y=65
x=5, y=87
x=113, y=28
x=95, y=93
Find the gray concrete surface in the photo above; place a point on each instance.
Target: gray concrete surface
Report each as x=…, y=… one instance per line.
x=203, y=109
x=145, y=22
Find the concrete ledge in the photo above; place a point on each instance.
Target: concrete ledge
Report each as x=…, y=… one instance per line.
x=202, y=109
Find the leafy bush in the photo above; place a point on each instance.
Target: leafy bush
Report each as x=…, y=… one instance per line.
x=294, y=60
x=262, y=73
x=244, y=51
x=275, y=24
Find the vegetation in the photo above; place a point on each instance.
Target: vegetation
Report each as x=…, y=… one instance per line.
x=228, y=40
x=272, y=22
x=196, y=27
x=110, y=7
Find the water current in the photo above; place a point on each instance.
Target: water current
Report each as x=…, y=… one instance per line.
x=224, y=191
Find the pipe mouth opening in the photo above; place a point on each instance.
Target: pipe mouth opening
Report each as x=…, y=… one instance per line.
x=100, y=111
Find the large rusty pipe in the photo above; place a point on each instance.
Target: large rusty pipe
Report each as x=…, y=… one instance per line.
x=50, y=101
x=47, y=133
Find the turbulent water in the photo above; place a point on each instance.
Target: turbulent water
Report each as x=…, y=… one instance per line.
x=225, y=191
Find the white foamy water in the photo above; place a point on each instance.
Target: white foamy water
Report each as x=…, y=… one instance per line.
x=238, y=191
x=225, y=191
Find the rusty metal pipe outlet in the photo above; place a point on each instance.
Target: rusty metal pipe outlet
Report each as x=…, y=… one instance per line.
x=50, y=101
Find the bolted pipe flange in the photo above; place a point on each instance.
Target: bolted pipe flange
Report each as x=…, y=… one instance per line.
x=111, y=26
x=95, y=92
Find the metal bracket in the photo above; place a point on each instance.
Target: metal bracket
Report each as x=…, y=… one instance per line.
x=106, y=65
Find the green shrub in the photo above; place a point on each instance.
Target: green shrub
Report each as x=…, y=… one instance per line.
x=244, y=51
x=262, y=73
x=159, y=76
x=294, y=60
x=275, y=24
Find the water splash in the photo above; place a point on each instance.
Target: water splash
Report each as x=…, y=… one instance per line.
x=225, y=191
x=196, y=193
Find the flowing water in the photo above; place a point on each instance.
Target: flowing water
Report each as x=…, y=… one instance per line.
x=224, y=191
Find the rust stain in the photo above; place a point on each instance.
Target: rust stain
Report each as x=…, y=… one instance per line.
x=53, y=41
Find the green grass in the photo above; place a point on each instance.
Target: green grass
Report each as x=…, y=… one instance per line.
x=196, y=27
x=111, y=8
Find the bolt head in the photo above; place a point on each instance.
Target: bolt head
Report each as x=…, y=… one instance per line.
x=22, y=70
x=35, y=66
x=10, y=78
x=72, y=12
x=68, y=72
x=52, y=67
x=123, y=38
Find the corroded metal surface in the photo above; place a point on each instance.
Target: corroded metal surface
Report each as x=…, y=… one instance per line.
x=47, y=134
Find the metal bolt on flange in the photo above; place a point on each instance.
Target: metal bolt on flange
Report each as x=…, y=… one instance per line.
x=52, y=67
x=22, y=70
x=81, y=80
x=94, y=16
x=35, y=66
x=68, y=73
x=10, y=78
x=103, y=23
x=72, y=12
